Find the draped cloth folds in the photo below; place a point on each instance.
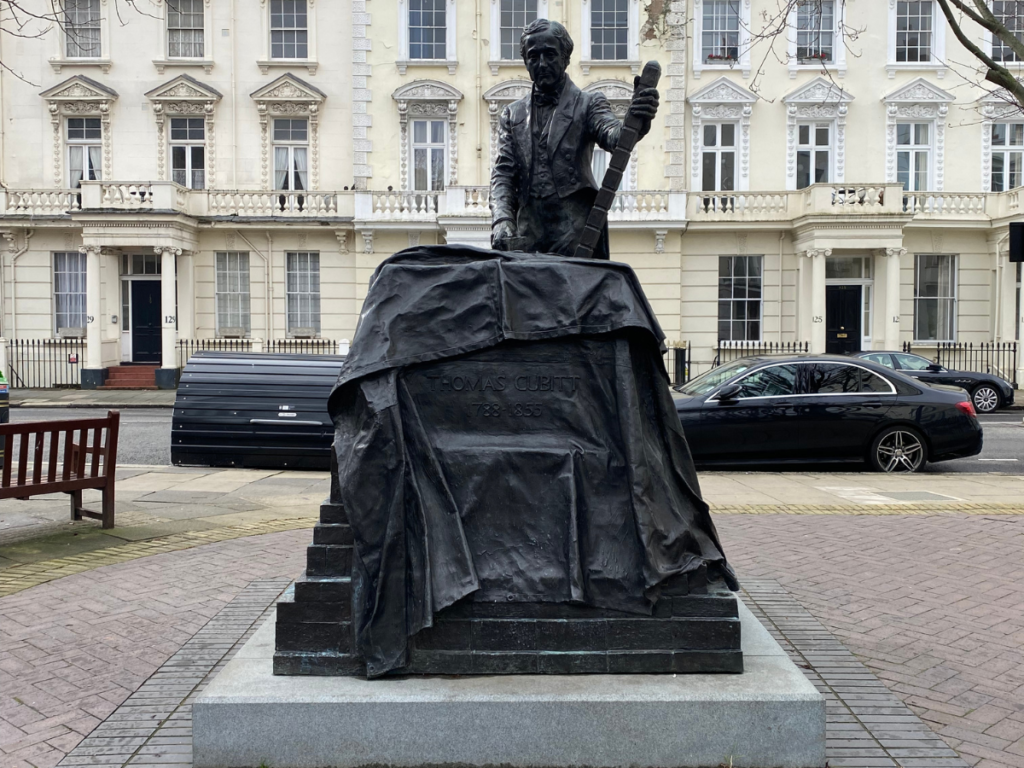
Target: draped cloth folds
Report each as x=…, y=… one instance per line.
x=505, y=432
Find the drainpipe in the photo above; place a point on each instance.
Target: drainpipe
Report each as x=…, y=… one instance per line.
x=479, y=93
x=266, y=279
x=3, y=124
x=234, y=104
x=270, y=286
x=1000, y=274
x=14, y=283
x=782, y=237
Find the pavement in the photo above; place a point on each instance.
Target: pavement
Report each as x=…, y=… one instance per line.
x=131, y=398
x=920, y=578
x=92, y=398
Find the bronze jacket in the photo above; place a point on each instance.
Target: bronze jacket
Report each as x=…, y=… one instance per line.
x=580, y=120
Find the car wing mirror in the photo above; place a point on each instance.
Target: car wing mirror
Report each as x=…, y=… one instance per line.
x=935, y=368
x=729, y=392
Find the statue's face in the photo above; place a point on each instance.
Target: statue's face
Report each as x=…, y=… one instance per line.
x=544, y=59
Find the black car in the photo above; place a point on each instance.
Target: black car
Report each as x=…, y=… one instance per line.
x=988, y=391
x=823, y=408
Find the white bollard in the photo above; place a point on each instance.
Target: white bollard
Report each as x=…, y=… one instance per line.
x=343, y=347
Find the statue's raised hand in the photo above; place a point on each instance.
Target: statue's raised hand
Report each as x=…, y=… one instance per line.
x=644, y=105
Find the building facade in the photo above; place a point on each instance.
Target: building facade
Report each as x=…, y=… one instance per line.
x=237, y=169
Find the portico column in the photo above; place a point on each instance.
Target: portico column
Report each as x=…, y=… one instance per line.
x=93, y=340
x=168, y=333
x=817, y=257
x=892, y=297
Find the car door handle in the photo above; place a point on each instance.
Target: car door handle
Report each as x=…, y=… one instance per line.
x=783, y=403
x=873, y=404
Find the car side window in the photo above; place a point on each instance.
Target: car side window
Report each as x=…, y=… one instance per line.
x=872, y=382
x=775, y=381
x=912, y=363
x=832, y=379
x=882, y=358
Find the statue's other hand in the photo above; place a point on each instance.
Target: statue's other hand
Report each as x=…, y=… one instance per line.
x=644, y=105
x=501, y=235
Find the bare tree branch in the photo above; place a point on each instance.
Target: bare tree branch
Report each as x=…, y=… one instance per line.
x=996, y=73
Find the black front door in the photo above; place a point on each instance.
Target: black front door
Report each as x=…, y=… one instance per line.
x=146, y=321
x=842, y=319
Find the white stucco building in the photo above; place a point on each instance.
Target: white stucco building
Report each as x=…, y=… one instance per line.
x=236, y=169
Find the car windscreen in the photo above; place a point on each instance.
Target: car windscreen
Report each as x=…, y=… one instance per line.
x=706, y=382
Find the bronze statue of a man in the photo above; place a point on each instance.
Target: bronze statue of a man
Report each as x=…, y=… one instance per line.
x=542, y=187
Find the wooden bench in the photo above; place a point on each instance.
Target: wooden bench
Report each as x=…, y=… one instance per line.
x=88, y=459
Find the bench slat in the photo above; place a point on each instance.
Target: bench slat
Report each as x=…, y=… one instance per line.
x=37, y=458
x=22, y=459
x=51, y=470
x=69, y=447
x=97, y=444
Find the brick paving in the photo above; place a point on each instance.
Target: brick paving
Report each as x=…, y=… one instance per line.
x=19, y=577
x=72, y=650
x=933, y=605
x=867, y=727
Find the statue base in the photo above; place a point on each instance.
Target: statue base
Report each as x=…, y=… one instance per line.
x=770, y=716
x=695, y=627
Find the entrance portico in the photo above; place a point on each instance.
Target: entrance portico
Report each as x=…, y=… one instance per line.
x=113, y=252
x=874, y=248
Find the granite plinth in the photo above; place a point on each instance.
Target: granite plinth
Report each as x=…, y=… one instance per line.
x=769, y=716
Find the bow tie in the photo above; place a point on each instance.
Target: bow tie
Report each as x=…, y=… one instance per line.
x=545, y=98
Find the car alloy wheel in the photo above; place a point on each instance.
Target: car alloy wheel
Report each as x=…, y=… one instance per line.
x=899, y=451
x=986, y=399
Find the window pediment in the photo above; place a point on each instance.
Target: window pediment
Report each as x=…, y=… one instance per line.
x=184, y=88
x=917, y=91
x=289, y=89
x=427, y=90
x=507, y=92
x=998, y=105
x=183, y=95
x=79, y=89
x=723, y=91
x=819, y=91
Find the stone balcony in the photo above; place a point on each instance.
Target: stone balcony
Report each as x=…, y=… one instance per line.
x=643, y=209
x=851, y=200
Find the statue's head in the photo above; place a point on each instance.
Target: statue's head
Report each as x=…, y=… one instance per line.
x=546, y=47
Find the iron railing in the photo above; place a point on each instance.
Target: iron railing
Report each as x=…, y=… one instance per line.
x=733, y=350
x=302, y=346
x=45, y=363
x=996, y=357
x=188, y=347
x=677, y=362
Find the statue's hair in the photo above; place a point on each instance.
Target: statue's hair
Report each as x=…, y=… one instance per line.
x=543, y=25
